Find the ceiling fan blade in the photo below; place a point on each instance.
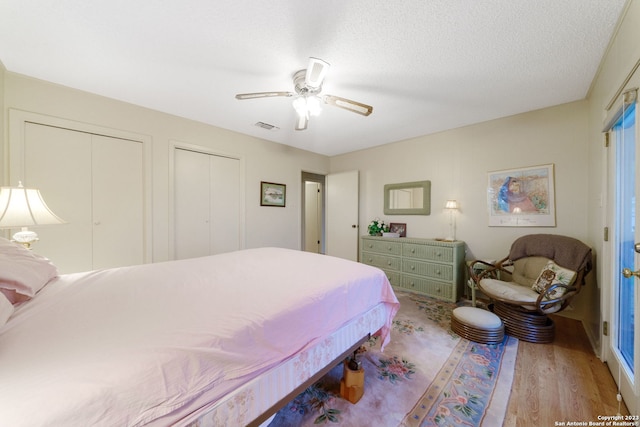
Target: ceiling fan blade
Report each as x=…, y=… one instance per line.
x=262, y=95
x=347, y=104
x=316, y=72
x=301, y=122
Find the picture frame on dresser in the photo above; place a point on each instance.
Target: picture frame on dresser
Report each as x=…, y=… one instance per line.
x=398, y=227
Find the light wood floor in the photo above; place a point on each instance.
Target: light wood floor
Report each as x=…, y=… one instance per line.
x=562, y=381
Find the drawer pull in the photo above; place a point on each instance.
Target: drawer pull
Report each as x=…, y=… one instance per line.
x=413, y=285
x=438, y=272
x=389, y=262
x=413, y=251
x=370, y=259
x=389, y=248
x=370, y=245
x=439, y=254
x=413, y=267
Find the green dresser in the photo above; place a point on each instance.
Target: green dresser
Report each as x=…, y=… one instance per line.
x=427, y=266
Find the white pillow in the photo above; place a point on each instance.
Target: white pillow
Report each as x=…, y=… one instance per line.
x=551, y=274
x=6, y=310
x=22, y=272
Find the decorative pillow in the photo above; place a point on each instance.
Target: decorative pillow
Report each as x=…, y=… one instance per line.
x=22, y=272
x=551, y=274
x=6, y=310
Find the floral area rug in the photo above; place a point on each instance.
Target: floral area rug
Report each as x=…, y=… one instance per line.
x=426, y=376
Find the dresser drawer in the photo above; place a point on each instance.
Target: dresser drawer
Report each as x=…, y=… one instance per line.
x=429, y=269
x=427, y=266
x=435, y=253
x=394, y=277
x=383, y=247
x=430, y=287
x=381, y=261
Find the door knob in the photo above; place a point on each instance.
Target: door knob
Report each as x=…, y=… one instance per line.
x=627, y=272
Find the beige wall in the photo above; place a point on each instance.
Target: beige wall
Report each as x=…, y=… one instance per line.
x=457, y=161
x=263, y=160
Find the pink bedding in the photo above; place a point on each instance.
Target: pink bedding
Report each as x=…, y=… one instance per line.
x=126, y=346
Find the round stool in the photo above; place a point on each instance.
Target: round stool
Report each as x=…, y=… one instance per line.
x=476, y=324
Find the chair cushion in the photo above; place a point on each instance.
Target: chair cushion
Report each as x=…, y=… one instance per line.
x=551, y=274
x=513, y=291
x=477, y=317
x=508, y=290
x=526, y=270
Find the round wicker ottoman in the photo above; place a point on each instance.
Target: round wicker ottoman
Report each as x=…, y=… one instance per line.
x=476, y=324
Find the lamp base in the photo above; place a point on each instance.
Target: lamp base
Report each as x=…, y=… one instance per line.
x=25, y=237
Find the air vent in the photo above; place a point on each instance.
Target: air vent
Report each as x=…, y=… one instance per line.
x=267, y=126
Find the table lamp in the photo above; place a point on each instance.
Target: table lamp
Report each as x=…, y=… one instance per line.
x=22, y=208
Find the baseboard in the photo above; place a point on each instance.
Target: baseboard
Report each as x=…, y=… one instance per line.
x=594, y=341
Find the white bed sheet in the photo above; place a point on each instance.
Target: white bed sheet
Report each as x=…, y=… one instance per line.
x=127, y=346
x=244, y=404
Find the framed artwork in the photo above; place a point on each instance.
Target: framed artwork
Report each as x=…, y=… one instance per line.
x=398, y=227
x=523, y=197
x=272, y=194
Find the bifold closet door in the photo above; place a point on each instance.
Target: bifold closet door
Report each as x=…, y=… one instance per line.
x=118, y=202
x=206, y=204
x=94, y=183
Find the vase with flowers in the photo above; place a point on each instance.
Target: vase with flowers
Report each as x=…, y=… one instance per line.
x=377, y=227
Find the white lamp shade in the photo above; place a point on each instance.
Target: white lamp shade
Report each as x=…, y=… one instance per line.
x=451, y=204
x=24, y=207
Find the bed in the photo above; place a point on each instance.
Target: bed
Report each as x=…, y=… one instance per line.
x=220, y=340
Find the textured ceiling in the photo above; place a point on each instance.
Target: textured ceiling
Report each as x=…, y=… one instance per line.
x=424, y=65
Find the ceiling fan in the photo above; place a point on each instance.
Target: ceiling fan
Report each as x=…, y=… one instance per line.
x=307, y=99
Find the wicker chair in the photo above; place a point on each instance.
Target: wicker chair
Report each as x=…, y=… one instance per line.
x=540, y=276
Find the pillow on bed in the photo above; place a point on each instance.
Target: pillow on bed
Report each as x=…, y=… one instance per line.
x=22, y=272
x=6, y=310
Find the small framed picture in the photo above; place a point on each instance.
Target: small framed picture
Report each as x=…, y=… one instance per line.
x=272, y=194
x=398, y=227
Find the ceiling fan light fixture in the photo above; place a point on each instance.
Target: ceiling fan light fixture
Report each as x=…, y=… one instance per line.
x=314, y=105
x=316, y=72
x=300, y=105
x=307, y=100
x=307, y=105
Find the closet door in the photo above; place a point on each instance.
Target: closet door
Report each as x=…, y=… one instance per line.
x=225, y=204
x=58, y=162
x=192, y=204
x=118, y=202
x=94, y=183
x=206, y=204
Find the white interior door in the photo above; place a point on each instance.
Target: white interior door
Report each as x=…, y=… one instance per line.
x=96, y=184
x=192, y=204
x=225, y=204
x=207, y=204
x=312, y=217
x=118, y=202
x=58, y=162
x=623, y=340
x=342, y=191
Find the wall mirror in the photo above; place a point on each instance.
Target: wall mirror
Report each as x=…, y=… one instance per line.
x=407, y=198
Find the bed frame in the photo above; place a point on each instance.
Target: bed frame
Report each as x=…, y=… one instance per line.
x=312, y=380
